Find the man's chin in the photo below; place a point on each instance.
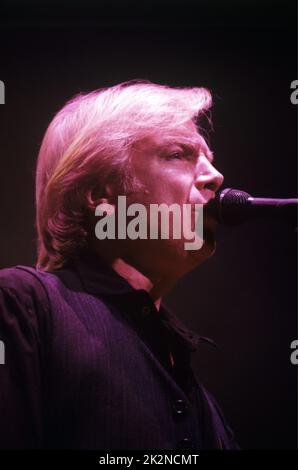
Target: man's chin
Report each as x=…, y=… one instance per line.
x=194, y=258
x=208, y=249
x=209, y=246
x=209, y=235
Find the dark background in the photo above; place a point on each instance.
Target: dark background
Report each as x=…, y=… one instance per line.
x=245, y=53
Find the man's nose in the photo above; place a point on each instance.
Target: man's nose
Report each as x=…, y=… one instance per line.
x=208, y=177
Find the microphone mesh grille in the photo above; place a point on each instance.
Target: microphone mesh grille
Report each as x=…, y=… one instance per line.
x=231, y=206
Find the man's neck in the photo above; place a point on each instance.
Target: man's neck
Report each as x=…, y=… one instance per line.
x=154, y=283
x=138, y=275
x=137, y=279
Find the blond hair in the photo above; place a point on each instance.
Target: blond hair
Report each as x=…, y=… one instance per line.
x=88, y=143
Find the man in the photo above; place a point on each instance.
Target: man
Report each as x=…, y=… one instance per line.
x=92, y=358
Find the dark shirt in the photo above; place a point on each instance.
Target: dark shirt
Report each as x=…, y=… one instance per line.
x=91, y=364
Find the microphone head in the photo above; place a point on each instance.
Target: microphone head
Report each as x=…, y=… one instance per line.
x=230, y=206
x=233, y=207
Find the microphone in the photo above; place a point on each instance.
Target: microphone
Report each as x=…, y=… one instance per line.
x=233, y=207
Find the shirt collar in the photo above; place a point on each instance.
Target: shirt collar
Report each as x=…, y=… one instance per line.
x=100, y=279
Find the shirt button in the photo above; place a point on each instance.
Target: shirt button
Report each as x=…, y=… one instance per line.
x=186, y=444
x=146, y=310
x=180, y=407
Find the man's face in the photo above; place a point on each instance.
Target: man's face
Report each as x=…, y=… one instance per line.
x=169, y=171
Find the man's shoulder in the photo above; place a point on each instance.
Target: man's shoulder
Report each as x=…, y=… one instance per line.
x=21, y=277
x=27, y=281
x=18, y=277
x=22, y=281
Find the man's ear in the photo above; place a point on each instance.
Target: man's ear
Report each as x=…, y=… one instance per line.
x=95, y=197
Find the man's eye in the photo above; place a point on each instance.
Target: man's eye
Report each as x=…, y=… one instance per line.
x=175, y=156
